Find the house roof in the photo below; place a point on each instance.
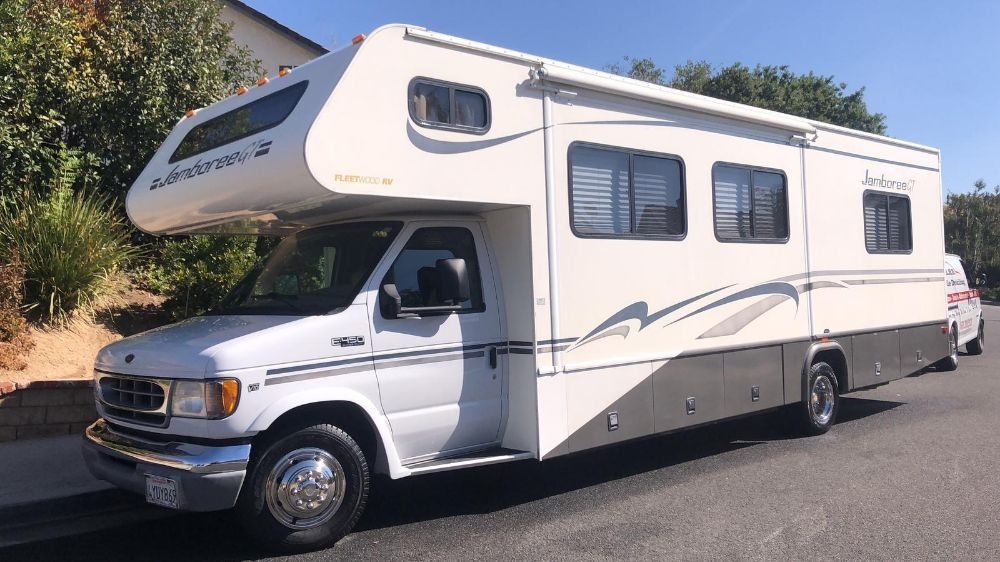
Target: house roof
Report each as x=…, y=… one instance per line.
x=278, y=27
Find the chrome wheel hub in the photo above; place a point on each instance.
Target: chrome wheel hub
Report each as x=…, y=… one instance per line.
x=822, y=399
x=305, y=488
x=954, y=346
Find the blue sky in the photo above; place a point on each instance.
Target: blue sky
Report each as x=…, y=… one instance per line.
x=932, y=67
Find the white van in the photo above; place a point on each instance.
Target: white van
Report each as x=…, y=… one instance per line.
x=965, y=314
x=490, y=256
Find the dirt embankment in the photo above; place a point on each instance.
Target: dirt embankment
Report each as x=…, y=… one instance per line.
x=68, y=352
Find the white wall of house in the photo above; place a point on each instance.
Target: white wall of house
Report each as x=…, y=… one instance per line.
x=272, y=46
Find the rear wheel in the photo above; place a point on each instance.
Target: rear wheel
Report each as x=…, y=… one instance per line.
x=306, y=491
x=976, y=346
x=950, y=363
x=817, y=412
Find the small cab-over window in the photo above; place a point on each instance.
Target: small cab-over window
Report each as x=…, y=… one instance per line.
x=449, y=106
x=887, y=223
x=751, y=204
x=625, y=194
x=250, y=119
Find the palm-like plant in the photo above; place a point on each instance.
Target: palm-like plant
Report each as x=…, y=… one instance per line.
x=71, y=241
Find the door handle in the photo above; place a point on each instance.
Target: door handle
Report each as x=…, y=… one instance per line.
x=493, y=357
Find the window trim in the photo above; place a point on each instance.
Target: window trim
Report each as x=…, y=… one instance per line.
x=631, y=235
x=302, y=86
x=909, y=208
x=752, y=240
x=452, y=86
x=392, y=262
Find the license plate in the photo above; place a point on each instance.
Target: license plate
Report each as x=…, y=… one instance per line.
x=161, y=490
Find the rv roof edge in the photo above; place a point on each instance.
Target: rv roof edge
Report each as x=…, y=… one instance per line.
x=821, y=126
x=676, y=98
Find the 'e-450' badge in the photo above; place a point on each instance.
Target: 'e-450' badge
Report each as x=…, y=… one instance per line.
x=347, y=341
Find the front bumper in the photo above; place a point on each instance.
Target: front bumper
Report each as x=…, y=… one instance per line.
x=208, y=478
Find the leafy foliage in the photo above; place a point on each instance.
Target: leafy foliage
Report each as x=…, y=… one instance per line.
x=972, y=230
x=14, y=339
x=769, y=87
x=71, y=245
x=196, y=272
x=106, y=78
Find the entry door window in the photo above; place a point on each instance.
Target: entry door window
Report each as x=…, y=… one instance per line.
x=415, y=271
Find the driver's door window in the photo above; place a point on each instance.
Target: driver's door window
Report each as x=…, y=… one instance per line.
x=415, y=273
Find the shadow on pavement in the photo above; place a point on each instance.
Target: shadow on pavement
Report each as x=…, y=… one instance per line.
x=410, y=500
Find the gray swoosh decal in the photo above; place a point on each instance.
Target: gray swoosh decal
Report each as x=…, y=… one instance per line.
x=741, y=319
x=640, y=311
x=621, y=330
x=760, y=290
x=738, y=321
x=806, y=287
x=888, y=281
x=435, y=146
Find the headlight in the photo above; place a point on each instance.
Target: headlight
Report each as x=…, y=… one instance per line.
x=212, y=400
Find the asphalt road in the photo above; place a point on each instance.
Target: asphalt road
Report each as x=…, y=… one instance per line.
x=910, y=471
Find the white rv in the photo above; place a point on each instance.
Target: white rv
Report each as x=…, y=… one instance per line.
x=491, y=256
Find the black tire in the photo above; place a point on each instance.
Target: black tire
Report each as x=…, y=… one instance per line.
x=807, y=418
x=950, y=363
x=976, y=346
x=300, y=453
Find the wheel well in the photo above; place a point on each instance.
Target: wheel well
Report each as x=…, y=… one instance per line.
x=346, y=415
x=834, y=358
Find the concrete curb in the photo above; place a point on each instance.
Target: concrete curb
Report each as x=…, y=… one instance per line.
x=72, y=515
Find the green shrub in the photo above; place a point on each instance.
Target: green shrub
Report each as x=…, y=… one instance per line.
x=14, y=339
x=73, y=245
x=196, y=272
x=989, y=294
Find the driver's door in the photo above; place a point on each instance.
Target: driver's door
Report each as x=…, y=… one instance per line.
x=440, y=378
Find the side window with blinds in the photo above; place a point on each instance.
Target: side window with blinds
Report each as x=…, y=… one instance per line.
x=616, y=193
x=887, y=223
x=750, y=204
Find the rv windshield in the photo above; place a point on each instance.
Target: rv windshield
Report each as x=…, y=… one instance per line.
x=312, y=272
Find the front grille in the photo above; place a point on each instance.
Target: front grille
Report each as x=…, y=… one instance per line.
x=134, y=399
x=136, y=394
x=133, y=416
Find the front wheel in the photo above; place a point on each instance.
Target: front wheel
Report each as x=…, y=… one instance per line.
x=306, y=491
x=817, y=412
x=976, y=346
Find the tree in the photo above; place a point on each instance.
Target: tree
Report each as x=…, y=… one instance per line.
x=106, y=79
x=972, y=230
x=769, y=87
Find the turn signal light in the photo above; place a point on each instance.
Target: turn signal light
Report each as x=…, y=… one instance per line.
x=358, y=38
x=230, y=391
x=284, y=71
x=242, y=90
x=190, y=113
x=262, y=81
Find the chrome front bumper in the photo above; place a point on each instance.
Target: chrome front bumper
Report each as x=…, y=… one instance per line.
x=208, y=477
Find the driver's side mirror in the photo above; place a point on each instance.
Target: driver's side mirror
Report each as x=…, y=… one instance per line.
x=389, y=301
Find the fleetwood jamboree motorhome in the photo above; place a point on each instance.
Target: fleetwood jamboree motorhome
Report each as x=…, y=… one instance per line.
x=489, y=256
